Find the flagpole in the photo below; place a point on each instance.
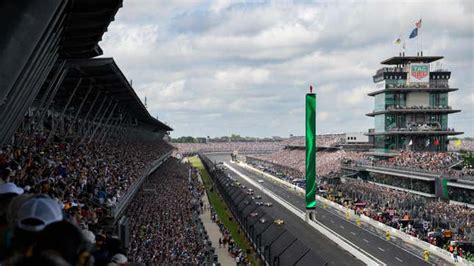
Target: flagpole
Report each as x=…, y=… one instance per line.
x=418, y=40
x=404, y=47
x=421, y=33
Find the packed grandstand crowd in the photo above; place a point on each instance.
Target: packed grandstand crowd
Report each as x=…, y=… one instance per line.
x=326, y=140
x=402, y=210
x=323, y=140
x=292, y=161
x=253, y=147
x=408, y=212
x=75, y=185
x=461, y=145
x=328, y=162
x=433, y=221
x=405, y=183
x=50, y=187
x=435, y=162
x=163, y=216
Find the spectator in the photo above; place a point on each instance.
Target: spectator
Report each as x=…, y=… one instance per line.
x=118, y=259
x=162, y=218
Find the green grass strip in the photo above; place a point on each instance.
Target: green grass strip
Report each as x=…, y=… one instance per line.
x=221, y=209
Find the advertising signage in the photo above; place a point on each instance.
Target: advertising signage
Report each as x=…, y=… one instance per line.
x=419, y=73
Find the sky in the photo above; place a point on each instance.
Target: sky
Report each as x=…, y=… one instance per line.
x=215, y=68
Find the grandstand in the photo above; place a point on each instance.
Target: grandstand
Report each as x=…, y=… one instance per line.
x=77, y=146
x=259, y=147
x=408, y=173
x=38, y=38
x=87, y=176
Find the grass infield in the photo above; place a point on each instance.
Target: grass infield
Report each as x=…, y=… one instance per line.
x=221, y=209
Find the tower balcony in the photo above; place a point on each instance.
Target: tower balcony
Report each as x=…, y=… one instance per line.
x=423, y=130
x=413, y=88
x=415, y=109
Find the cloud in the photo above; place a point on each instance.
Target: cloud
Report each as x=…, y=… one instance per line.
x=235, y=77
x=221, y=67
x=218, y=5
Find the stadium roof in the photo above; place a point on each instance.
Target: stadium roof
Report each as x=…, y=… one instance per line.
x=36, y=37
x=85, y=23
x=402, y=60
x=105, y=77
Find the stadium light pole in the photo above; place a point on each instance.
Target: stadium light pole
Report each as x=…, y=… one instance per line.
x=310, y=154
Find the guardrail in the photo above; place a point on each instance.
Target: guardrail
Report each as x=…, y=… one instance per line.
x=446, y=255
x=274, y=252
x=409, y=169
x=125, y=200
x=331, y=234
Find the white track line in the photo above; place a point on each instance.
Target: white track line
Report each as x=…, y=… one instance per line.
x=359, y=253
x=368, y=231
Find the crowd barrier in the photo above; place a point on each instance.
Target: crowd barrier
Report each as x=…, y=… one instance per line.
x=407, y=170
x=274, y=244
x=446, y=255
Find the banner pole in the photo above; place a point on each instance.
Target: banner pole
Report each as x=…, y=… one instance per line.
x=310, y=154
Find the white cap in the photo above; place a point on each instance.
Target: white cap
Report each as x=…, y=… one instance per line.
x=42, y=210
x=89, y=236
x=119, y=258
x=10, y=188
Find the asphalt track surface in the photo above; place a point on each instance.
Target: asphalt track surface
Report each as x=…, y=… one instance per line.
x=393, y=252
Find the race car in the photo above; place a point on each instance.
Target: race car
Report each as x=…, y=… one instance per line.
x=278, y=222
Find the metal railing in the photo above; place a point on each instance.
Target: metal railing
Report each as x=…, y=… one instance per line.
x=414, y=170
x=126, y=199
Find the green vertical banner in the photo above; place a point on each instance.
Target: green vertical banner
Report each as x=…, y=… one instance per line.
x=445, y=189
x=310, y=150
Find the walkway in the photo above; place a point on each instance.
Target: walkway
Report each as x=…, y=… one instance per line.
x=214, y=233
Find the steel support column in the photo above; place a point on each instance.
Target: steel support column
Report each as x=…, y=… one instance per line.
x=93, y=119
x=68, y=102
x=100, y=121
x=80, y=108
x=110, y=127
x=53, y=94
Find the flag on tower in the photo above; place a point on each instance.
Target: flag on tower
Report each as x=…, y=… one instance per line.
x=413, y=33
x=418, y=24
x=398, y=41
x=457, y=142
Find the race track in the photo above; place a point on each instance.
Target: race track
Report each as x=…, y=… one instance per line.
x=393, y=252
